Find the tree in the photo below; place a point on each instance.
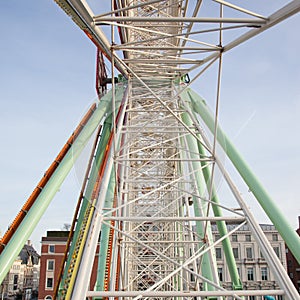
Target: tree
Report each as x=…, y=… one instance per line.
x=66, y=227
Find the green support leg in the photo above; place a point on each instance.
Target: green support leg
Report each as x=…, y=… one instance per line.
x=88, y=193
x=286, y=231
x=107, y=127
x=104, y=239
x=35, y=213
x=209, y=264
x=231, y=264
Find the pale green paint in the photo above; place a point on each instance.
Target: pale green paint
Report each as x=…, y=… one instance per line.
x=222, y=229
x=104, y=239
x=86, y=202
x=35, y=213
x=207, y=268
x=107, y=127
x=13, y=248
x=274, y=213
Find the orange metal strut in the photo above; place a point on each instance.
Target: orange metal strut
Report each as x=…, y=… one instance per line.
x=34, y=195
x=74, y=221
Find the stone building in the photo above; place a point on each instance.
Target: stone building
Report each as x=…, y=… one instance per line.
x=23, y=277
x=252, y=266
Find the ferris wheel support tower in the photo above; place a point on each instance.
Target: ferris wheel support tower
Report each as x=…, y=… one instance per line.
x=150, y=187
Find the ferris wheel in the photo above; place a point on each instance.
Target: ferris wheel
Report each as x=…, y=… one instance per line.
x=151, y=204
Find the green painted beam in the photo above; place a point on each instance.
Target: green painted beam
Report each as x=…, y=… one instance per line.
x=274, y=213
x=221, y=225
x=207, y=266
x=13, y=248
x=104, y=239
x=107, y=127
x=88, y=194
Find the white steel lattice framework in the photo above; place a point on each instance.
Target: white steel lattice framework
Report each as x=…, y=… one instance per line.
x=162, y=157
x=162, y=160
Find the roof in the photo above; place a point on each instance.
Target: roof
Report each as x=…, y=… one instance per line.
x=27, y=252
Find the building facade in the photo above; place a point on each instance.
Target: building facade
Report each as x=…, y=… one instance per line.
x=52, y=254
x=22, y=280
x=293, y=267
x=252, y=266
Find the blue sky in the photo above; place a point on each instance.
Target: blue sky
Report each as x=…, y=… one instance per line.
x=47, y=79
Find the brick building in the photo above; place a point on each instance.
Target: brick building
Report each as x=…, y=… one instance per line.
x=52, y=253
x=293, y=267
x=252, y=267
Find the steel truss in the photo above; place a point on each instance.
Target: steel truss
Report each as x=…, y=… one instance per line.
x=165, y=164
x=151, y=189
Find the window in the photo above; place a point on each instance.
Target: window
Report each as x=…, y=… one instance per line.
x=251, y=297
x=249, y=253
x=51, y=249
x=220, y=273
x=48, y=298
x=291, y=275
x=192, y=277
x=250, y=274
x=235, y=252
x=217, y=237
x=16, y=282
x=275, y=237
x=218, y=253
x=277, y=251
x=248, y=238
x=264, y=273
x=50, y=265
x=49, y=283
x=234, y=238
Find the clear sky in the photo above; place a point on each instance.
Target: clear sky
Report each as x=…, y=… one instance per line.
x=47, y=82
